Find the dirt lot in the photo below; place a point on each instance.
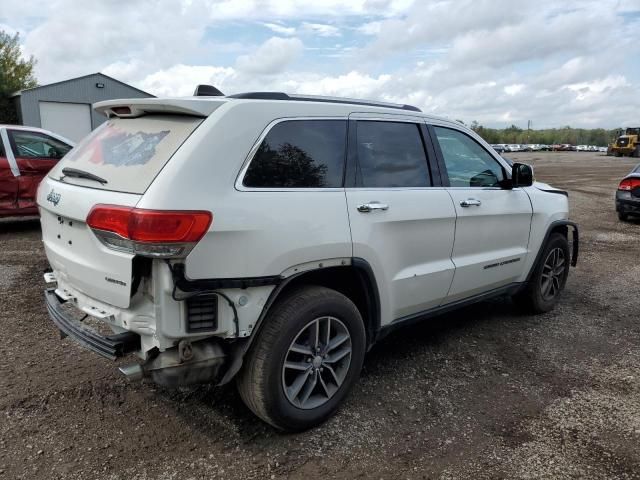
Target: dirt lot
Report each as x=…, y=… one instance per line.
x=482, y=393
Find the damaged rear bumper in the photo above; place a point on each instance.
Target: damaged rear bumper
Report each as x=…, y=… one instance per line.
x=109, y=346
x=187, y=363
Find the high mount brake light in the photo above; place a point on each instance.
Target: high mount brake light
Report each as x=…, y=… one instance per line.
x=121, y=110
x=629, y=184
x=156, y=233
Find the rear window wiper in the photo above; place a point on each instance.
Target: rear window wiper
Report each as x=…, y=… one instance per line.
x=74, y=172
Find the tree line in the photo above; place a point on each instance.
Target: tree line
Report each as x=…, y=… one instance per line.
x=16, y=73
x=548, y=136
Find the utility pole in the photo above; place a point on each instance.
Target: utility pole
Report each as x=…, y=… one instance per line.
x=528, y=130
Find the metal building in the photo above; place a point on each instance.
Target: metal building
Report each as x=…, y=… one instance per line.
x=65, y=107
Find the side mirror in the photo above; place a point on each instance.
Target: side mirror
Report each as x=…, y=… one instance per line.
x=521, y=175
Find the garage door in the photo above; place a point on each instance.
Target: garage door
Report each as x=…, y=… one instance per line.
x=71, y=120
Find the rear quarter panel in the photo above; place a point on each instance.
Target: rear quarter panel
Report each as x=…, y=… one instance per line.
x=254, y=233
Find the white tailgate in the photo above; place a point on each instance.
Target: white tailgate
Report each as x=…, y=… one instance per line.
x=77, y=257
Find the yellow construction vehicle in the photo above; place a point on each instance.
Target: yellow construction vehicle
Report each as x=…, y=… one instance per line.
x=626, y=144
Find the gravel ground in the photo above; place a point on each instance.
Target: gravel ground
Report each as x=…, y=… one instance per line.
x=485, y=392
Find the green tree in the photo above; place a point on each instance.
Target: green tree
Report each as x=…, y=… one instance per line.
x=16, y=74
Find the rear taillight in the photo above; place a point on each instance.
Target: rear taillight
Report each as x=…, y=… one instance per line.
x=154, y=233
x=629, y=184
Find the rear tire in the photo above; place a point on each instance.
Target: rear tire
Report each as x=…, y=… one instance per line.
x=293, y=377
x=623, y=216
x=636, y=152
x=549, y=277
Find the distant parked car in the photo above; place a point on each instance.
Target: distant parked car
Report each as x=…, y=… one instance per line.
x=628, y=195
x=533, y=147
x=603, y=149
x=26, y=156
x=498, y=147
x=564, y=147
x=582, y=148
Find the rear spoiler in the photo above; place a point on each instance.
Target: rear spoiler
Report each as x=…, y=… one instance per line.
x=136, y=107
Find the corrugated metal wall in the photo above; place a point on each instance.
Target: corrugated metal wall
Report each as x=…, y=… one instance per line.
x=78, y=90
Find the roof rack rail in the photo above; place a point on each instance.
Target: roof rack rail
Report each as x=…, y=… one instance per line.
x=311, y=98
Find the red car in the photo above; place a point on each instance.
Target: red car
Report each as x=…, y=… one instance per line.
x=26, y=156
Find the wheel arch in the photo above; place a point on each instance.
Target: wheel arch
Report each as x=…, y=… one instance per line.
x=356, y=281
x=563, y=227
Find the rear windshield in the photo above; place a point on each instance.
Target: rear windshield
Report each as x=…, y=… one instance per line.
x=127, y=152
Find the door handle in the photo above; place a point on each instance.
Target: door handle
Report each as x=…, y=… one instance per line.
x=470, y=202
x=368, y=207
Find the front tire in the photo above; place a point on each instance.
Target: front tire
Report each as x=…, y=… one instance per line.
x=305, y=359
x=549, y=277
x=623, y=216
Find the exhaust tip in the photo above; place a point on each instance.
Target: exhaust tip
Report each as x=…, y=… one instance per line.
x=132, y=372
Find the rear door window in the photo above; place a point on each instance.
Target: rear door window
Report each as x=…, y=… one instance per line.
x=300, y=154
x=390, y=154
x=128, y=152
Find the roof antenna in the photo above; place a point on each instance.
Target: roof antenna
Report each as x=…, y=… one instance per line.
x=207, y=91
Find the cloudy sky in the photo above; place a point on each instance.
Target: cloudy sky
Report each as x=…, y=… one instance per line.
x=575, y=62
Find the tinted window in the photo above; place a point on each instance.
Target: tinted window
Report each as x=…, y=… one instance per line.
x=391, y=154
x=36, y=145
x=468, y=164
x=300, y=154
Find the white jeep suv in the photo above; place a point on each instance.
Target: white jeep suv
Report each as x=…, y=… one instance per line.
x=274, y=238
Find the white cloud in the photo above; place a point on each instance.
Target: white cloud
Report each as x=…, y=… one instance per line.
x=494, y=61
x=370, y=28
x=271, y=57
x=181, y=80
x=289, y=9
x=513, y=89
x=83, y=37
x=321, y=29
x=587, y=90
x=280, y=29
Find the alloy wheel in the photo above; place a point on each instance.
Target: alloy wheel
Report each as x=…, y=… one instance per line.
x=553, y=274
x=316, y=363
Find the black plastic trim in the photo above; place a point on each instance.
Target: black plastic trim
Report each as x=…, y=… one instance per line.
x=351, y=167
x=261, y=96
x=207, y=91
x=575, y=240
x=201, y=285
x=559, y=192
x=373, y=297
x=442, y=168
x=296, y=98
x=432, y=158
x=509, y=289
x=111, y=346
